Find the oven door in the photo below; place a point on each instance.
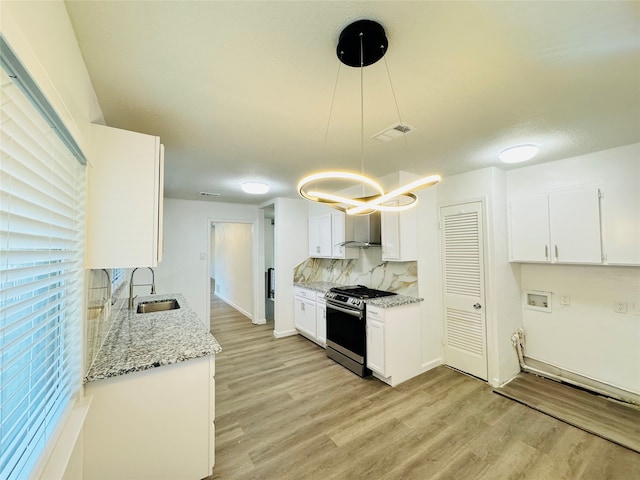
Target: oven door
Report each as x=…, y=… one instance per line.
x=346, y=331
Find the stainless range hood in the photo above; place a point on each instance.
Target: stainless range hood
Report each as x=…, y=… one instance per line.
x=367, y=231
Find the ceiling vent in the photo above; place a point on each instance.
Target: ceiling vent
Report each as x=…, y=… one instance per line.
x=394, y=131
x=209, y=194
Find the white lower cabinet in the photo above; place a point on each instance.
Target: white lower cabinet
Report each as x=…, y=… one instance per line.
x=393, y=343
x=154, y=424
x=310, y=315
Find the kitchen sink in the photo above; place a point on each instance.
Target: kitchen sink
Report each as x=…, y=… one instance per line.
x=158, y=305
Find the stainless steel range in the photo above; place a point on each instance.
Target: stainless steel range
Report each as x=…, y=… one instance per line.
x=346, y=325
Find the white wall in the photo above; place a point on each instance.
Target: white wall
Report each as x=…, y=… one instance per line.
x=586, y=336
x=41, y=35
x=291, y=236
x=429, y=278
x=234, y=266
x=187, y=232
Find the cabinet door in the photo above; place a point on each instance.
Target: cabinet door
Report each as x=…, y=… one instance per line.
x=529, y=229
x=574, y=220
x=320, y=236
x=375, y=346
x=621, y=224
x=390, y=224
x=123, y=199
x=314, y=236
x=321, y=322
x=338, y=234
x=399, y=232
x=305, y=316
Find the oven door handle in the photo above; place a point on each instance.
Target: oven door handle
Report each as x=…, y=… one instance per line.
x=355, y=313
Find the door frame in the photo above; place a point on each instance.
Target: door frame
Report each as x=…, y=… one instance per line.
x=257, y=257
x=488, y=287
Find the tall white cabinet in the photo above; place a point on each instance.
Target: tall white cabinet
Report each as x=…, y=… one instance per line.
x=124, y=199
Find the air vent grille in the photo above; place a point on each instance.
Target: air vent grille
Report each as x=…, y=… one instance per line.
x=209, y=194
x=394, y=131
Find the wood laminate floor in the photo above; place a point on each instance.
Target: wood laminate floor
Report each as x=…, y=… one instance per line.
x=615, y=421
x=286, y=411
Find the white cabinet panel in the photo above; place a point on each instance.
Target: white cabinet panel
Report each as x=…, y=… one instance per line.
x=320, y=236
x=321, y=321
x=574, y=222
x=399, y=231
x=529, y=229
x=305, y=312
x=124, y=199
x=341, y=230
x=375, y=346
x=621, y=224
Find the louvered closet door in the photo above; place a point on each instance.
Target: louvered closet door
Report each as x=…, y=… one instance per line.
x=463, y=271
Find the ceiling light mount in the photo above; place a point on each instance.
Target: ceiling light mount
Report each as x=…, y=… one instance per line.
x=374, y=44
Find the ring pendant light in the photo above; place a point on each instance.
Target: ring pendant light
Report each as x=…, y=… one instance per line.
x=361, y=44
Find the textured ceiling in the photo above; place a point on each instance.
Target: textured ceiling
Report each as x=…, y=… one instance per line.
x=242, y=90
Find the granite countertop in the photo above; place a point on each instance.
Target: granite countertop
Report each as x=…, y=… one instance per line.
x=138, y=342
x=322, y=287
x=393, y=301
x=381, y=302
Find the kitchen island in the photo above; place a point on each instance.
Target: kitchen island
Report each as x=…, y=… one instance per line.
x=153, y=396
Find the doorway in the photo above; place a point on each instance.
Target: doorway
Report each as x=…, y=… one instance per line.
x=465, y=327
x=231, y=269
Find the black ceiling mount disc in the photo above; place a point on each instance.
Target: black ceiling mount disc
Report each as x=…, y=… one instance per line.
x=374, y=43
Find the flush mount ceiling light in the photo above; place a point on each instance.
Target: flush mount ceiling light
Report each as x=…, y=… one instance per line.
x=361, y=44
x=255, y=188
x=518, y=153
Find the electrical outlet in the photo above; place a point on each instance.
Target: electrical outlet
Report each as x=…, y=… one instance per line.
x=619, y=306
x=565, y=299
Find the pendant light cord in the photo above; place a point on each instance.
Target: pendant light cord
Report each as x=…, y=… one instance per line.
x=361, y=107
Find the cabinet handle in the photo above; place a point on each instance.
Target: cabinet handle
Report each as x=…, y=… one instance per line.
x=556, y=249
x=546, y=251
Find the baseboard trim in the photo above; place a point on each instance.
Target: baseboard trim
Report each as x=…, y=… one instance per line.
x=431, y=364
x=239, y=309
x=262, y=321
x=285, y=333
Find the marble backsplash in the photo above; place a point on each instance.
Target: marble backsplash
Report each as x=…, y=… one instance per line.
x=368, y=270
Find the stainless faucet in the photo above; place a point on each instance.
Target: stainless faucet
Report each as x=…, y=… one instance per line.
x=131, y=285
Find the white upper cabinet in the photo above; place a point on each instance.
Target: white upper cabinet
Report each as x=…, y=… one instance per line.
x=320, y=236
x=562, y=227
x=124, y=199
x=327, y=233
x=621, y=224
x=399, y=236
x=341, y=230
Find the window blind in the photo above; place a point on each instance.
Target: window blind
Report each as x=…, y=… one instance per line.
x=41, y=245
